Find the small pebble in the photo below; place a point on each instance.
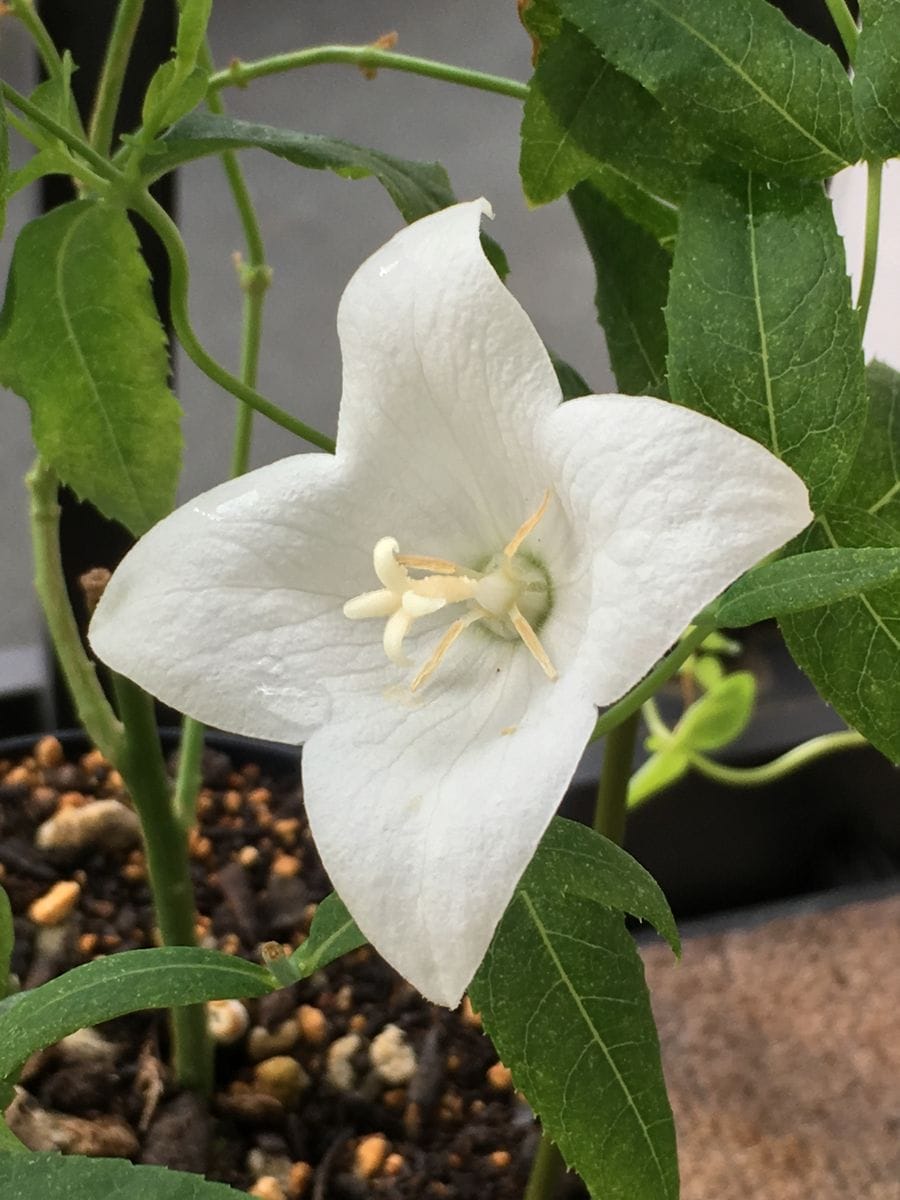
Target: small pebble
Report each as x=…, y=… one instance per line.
x=286, y=866
x=106, y=822
x=313, y=1024
x=263, y=1043
x=369, y=1154
x=283, y=1078
x=500, y=1077
x=248, y=856
x=500, y=1159
x=267, y=1188
x=227, y=1021
x=469, y=1016
x=262, y=1165
x=49, y=752
x=393, y=1164
x=300, y=1178
x=54, y=906
x=87, y=1046
x=340, y=1069
x=392, y=1056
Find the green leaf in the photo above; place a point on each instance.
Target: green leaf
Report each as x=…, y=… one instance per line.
x=50, y=161
x=876, y=77
x=54, y=1177
x=192, y=22
x=873, y=481
x=332, y=934
x=720, y=716
x=584, y=119
x=80, y=340
x=577, y=859
x=541, y=18
x=741, y=75
x=416, y=188
x=7, y=940
x=55, y=98
x=805, y=581
x=562, y=995
x=762, y=333
x=570, y=381
x=851, y=649
x=660, y=771
x=632, y=285
x=167, y=977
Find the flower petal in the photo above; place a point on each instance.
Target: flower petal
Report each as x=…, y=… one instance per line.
x=670, y=507
x=445, y=379
x=231, y=608
x=848, y=198
x=426, y=817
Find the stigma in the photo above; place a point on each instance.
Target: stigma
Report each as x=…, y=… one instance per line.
x=509, y=597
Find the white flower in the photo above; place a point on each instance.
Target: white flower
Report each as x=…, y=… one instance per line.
x=848, y=197
x=561, y=547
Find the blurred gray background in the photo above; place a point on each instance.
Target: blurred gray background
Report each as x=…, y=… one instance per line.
x=318, y=228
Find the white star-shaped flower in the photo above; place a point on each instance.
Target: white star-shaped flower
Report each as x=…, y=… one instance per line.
x=531, y=559
x=848, y=198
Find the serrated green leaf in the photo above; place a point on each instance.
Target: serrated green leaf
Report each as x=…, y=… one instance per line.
x=416, y=188
x=762, y=333
x=741, y=75
x=562, y=996
x=805, y=581
x=851, y=649
x=332, y=934
x=873, y=481
x=585, y=120
x=720, y=716
x=168, y=977
x=55, y=1177
x=632, y=285
x=80, y=340
x=876, y=77
x=573, y=857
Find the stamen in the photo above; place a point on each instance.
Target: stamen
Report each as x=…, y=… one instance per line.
x=396, y=627
x=421, y=562
x=531, y=640
x=523, y=531
x=443, y=646
x=380, y=603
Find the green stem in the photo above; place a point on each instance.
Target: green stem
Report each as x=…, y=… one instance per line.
x=786, y=764
x=168, y=233
x=144, y=770
x=664, y=670
x=25, y=12
x=94, y=710
x=845, y=24
x=115, y=64
x=188, y=777
x=870, y=253
x=369, y=58
x=610, y=813
x=547, y=1170
x=77, y=145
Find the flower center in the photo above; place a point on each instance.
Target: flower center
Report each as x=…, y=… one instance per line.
x=510, y=597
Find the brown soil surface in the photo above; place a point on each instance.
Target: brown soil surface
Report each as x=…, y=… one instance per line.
x=439, y=1121
x=782, y=1052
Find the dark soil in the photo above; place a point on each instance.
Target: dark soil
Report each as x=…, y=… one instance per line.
x=300, y=1109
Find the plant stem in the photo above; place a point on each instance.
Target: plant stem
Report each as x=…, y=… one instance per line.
x=188, y=776
x=870, y=253
x=25, y=12
x=845, y=24
x=547, y=1170
x=109, y=89
x=664, y=669
x=144, y=771
x=94, y=710
x=369, y=58
x=77, y=145
x=160, y=221
x=785, y=764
